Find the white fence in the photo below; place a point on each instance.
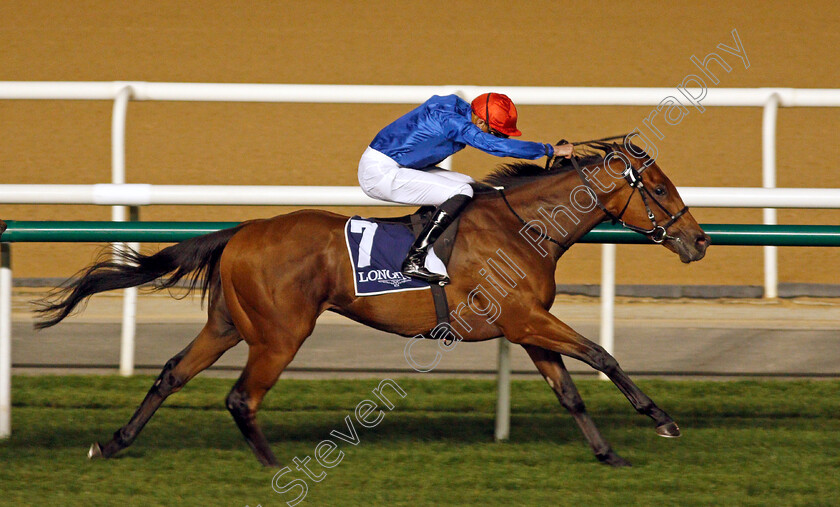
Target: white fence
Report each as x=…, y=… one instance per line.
x=134, y=194
x=119, y=195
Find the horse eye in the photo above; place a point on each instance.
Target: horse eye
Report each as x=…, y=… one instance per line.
x=660, y=190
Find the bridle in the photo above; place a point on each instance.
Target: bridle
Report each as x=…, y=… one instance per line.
x=657, y=233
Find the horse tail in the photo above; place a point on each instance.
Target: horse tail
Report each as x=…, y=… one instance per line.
x=120, y=269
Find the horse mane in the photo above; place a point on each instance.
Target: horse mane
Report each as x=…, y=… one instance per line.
x=519, y=173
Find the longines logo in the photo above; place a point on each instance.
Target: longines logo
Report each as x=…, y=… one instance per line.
x=384, y=276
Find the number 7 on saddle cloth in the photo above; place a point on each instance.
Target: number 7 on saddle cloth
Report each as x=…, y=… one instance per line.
x=377, y=250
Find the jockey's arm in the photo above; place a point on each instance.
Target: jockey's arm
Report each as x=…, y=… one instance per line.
x=471, y=135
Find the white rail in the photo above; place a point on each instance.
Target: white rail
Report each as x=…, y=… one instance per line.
x=372, y=94
x=133, y=194
x=123, y=91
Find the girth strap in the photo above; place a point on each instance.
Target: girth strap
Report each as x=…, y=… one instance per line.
x=438, y=291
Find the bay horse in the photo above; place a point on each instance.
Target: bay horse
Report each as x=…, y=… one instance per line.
x=266, y=282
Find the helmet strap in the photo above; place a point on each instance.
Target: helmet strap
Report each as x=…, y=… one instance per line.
x=487, y=112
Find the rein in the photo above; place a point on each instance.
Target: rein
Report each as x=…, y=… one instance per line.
x=540, y=235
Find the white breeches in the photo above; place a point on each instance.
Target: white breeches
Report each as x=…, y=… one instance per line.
x=382, y=178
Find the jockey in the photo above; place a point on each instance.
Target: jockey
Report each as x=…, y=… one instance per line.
x=400, y=165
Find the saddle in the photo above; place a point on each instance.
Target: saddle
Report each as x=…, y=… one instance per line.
x=417, y=220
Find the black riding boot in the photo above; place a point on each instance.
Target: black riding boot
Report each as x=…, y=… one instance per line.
x=415, y=263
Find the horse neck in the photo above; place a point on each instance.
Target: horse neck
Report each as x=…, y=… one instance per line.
x=562, y=205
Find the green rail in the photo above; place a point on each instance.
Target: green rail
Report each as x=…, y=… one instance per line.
x=77, y=232
x=169, y=232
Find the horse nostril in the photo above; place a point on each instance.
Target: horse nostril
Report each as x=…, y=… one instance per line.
x=703, y=241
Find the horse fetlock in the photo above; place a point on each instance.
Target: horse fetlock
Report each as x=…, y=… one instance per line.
x=657, y=414
x=612, y=459
x=124, y=437
x=114, y=446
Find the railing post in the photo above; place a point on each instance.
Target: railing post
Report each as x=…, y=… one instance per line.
x=118, y=214
x=768, y=178
x=129, y=321
x=607, y=337
x=5, y=340
x=503, y=392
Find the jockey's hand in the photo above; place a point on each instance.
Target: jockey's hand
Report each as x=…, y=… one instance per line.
x=564, y=150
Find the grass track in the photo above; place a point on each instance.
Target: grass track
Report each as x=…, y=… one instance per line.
x=744, y=443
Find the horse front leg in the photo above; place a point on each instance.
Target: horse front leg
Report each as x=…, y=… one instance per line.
x=550, y=365
x=546, y=331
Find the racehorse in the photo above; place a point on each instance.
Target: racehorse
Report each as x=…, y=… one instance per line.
x=266, y=282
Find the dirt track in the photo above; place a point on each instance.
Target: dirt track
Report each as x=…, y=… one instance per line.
x=716, y=338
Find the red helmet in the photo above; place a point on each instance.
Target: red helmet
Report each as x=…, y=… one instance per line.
x=501, y=111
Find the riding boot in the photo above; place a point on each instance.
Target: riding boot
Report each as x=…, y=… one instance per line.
x=415, y=263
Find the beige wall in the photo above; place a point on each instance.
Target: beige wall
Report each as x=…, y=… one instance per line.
x=592, y=43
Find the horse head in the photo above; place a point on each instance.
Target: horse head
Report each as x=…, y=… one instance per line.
x=643, y=198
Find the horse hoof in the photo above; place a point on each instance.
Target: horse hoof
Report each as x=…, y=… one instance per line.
x=612, y=459
x=668, y=430
x=95, y=451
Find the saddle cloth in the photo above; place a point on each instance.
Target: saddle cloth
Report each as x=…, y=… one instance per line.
x=377, y=248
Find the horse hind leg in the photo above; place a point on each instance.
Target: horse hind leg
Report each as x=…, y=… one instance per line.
x=272, y=346
x=274, y=329
x=550, y=365
x=260, y=374
x=213, y=341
